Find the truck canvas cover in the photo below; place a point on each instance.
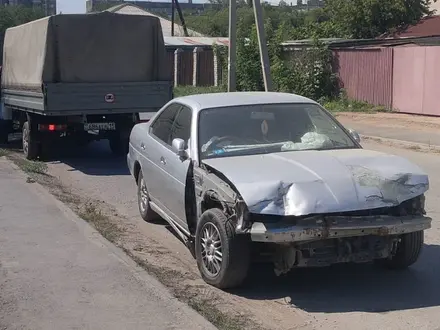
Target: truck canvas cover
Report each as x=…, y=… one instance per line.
x=87, y=48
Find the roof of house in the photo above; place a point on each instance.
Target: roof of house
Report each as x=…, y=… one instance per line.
x=129, y=9
x=363, y=43
x=427, y=26
x=205, y=42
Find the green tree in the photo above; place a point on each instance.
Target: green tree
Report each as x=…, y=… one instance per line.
x=106, y=5
x=370, y=18
x=15, y=15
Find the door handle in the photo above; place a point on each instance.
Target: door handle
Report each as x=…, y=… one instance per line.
x=163, y=161
x=142, y=146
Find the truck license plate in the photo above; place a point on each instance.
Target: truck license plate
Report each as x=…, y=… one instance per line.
x=99, y=127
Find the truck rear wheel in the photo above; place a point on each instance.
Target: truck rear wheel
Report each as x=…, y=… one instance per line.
x=4, y=132
x=31, y=147
x=118, y=145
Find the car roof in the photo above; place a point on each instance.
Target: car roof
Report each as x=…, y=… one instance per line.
x=213, y=100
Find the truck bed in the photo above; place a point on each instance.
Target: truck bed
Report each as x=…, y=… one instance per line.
x=60, y=99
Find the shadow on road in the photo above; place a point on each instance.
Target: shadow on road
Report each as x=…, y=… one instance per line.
x=95, y=159
x=351, y=288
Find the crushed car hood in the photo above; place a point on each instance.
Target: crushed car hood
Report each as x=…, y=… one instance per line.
x=309, y=182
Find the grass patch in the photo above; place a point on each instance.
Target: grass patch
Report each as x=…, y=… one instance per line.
x=204, y=304
x=346, y=105
x=222, y=321
x=31, y=167
x=342, y=104
x=3, y=152
x=103, y=224
x=191, y=90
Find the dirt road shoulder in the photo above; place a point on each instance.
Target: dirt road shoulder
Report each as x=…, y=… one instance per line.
x=395, y=127
x=58, y=272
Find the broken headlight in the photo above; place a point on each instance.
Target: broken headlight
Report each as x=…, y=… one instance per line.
x=414, y=206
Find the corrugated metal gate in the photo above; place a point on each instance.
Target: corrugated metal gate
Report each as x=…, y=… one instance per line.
x=366, y=74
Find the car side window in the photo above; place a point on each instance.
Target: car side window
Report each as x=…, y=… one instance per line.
x=162, y=126
x=182, y=125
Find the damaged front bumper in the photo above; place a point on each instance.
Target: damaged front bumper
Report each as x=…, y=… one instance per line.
x=318, y=228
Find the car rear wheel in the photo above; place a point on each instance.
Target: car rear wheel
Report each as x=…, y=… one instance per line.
x=407, y=253
x=144, y=201
x=223, y=257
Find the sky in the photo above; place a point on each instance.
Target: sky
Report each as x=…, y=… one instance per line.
x=71, y=6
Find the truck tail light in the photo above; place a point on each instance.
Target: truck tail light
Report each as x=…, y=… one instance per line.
x=51, y=127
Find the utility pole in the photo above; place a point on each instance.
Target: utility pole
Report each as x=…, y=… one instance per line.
x=172, y=18
x=232, y=55
x=264, y=55
x=182, y=20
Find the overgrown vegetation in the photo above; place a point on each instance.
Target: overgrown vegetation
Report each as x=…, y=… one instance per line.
x=3, y=152
x=307, y=72
x=337, y=104
x=102, y=222
x=338, y=18
x=31, y=167
x=344, y=104
x=190, y=90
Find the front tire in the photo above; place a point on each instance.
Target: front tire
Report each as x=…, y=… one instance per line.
x=407, y=253
x=223, y=258
x=144, y=201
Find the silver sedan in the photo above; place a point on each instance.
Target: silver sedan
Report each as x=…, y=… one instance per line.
x=230, y=170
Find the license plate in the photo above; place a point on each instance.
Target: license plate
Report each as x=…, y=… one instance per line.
x=99, y=127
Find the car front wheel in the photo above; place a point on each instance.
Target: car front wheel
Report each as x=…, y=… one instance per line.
x=407, y=253
x=144, y=201
x=223, y=257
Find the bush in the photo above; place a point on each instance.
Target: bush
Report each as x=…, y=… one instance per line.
x=307, y=73
x=191, y=90
x=343, y=104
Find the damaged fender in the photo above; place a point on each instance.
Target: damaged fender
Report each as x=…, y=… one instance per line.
x=211, y=189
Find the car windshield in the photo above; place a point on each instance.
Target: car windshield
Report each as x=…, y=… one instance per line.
x=260, y=129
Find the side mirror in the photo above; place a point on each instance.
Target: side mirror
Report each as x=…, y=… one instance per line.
x=178, y=146
x=355, y=135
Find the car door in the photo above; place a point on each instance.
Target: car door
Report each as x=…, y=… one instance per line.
x=176, y=168
x=157, y=140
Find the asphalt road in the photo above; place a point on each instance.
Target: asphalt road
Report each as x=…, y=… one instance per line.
x=352, y=297
x=56, y=272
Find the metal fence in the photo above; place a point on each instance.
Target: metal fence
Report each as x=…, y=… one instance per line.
x=366, y=75
x=415, y=73
x=195, y=66
x=402, y=78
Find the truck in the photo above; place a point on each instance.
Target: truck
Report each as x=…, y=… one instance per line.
x=81, y=77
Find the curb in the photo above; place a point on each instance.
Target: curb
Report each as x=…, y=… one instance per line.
x=416, y=146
